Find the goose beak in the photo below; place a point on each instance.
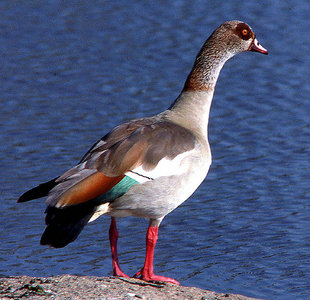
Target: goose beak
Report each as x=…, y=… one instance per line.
x=257, y=47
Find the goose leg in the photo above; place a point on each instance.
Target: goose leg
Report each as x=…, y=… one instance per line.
x=113, y=235
x=147, y=272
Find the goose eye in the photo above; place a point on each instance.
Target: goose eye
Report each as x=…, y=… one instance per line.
x=244, y=31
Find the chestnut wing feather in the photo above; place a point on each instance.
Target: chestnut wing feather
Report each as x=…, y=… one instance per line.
x=130, y=145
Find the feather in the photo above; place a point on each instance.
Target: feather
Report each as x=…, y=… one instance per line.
x=81, y=190
x=39, y=191
x=65, y=224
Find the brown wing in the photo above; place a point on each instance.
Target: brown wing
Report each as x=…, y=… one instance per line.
x=139, y=142
x=144, y=141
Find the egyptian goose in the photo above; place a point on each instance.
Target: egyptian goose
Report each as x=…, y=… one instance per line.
x=146, y=167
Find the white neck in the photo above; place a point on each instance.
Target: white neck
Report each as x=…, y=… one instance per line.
x=191, y=110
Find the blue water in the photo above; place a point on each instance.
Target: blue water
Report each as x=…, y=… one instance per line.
x=72, y=71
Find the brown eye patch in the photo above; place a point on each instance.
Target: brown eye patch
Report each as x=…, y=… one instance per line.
x=243, y=31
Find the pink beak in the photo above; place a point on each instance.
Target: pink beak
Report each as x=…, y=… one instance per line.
x=255, y=46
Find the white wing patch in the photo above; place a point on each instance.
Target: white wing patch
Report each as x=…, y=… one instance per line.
x=165, y=167
x=101, y=209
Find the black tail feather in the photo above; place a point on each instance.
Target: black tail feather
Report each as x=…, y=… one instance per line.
x=39, y=191
x=65, y=224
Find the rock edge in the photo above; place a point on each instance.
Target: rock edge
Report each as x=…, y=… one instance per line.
x=104, y=288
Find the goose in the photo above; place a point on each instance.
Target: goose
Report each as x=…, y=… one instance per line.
x=145, y=167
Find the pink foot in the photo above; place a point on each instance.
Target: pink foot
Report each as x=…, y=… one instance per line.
x=147, y=272
x=119, y=273
x=146, y=276
x=113, y=233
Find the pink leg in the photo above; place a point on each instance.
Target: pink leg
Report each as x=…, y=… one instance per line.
x=147, y=272
x=113, y=234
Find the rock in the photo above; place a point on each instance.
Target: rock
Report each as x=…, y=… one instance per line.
x=103, y=288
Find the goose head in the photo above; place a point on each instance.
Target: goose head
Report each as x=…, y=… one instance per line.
x=228, y=40
x=234, y=37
